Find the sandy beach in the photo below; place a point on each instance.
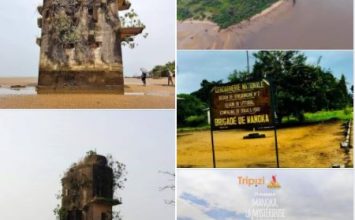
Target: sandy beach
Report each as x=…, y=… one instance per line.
x=312, y=24
x=156, y=95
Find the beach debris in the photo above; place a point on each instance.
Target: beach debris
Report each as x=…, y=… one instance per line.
x=17, y=87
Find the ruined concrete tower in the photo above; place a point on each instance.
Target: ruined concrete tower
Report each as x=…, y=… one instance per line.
x=81, y=45
x=88, y=190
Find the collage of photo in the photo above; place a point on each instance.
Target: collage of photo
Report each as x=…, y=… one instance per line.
x=177, y=110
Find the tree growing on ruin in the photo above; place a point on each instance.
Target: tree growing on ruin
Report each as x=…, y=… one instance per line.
x=77, y=182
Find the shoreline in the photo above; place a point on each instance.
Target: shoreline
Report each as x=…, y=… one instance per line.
x=223, y=38
x=18, y=80
x=268, y=10
x=264, y=12
x=29, y=81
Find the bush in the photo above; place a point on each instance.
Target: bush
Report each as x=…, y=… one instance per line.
x=348, y=111
x=188, y=107
x=195, y=120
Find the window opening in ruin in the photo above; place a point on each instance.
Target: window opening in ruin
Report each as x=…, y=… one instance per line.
x=46, y=14
x=104, y=216
x=74, y=215
x=91, y=11
x=98, y=190
x=91, y=39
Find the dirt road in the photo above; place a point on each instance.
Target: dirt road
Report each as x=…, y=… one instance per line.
x=313, y=146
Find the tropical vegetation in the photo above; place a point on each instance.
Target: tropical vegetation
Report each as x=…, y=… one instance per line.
x=303, y=91
x=223, y=12
x=162, y=70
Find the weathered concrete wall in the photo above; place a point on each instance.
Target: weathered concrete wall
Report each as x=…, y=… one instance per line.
x=88, y=190
x=80, y=81
x=80, y=46
x=100, y=212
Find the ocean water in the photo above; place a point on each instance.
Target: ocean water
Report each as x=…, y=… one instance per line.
x=30, y=90
x=309, y=24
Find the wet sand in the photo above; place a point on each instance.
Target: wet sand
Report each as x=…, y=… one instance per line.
x=316, y=24
x=314, y=146
x=156, y=95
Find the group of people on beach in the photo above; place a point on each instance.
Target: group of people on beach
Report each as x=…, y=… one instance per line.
x=145, y=75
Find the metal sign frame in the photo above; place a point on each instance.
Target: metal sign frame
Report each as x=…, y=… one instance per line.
x=272, y=113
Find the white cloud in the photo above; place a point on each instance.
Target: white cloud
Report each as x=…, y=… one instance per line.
x=187, y=209
x=304, y=194
x=217, y=188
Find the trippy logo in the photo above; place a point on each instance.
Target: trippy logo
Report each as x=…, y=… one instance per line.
x=274, y=184
x=244, y=180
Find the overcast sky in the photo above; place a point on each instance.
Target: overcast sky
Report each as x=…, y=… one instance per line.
x=304, y=194
x=194, y=66
x=38, y=146
x=19, y=52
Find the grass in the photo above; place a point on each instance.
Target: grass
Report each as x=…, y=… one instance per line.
x=223, y=12
x=321, y=116
x=343, y=115
x=188, y=129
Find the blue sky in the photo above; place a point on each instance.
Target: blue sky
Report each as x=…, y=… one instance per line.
x=194, y=66
x=38, y=146
x=304, y=194
x=19, y=52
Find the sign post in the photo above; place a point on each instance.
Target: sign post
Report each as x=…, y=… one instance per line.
x=274, y=119
x=213, y=151
x=276, y=147
x=241, y=105
x=212, y=138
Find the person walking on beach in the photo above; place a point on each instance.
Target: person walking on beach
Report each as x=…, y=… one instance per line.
x=144, y=76
x=170, y=78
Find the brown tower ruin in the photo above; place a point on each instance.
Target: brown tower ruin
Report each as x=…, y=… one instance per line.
x=88, y=190
x=81, y=45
